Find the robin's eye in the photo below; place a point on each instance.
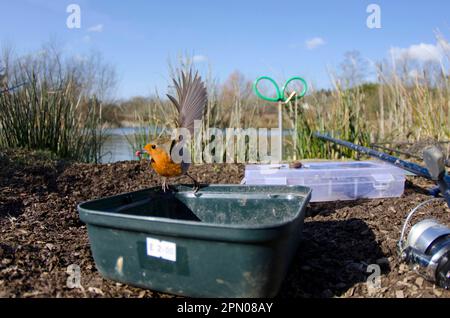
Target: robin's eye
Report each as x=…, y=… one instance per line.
x=153, y=146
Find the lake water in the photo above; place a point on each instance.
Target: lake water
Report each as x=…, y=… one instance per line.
x=117, y=148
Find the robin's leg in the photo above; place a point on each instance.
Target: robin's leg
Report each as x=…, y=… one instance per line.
x=165, y=186
x=196, y=185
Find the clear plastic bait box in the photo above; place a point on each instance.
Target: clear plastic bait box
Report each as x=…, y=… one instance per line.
x=332, y=181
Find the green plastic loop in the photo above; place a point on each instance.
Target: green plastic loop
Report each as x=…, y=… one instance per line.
x=296, y=78
x=280, y=95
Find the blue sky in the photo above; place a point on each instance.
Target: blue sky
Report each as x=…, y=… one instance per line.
x=255, y=37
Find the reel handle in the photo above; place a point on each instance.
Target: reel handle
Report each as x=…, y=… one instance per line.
x=435, y=162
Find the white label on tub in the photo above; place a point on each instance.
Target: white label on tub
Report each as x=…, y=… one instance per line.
x=162, y=249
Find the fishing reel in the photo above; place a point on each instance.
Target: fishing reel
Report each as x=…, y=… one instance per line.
x=427, y=248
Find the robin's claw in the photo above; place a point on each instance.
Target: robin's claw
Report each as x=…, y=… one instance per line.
x=164, y=185
x=196, y=184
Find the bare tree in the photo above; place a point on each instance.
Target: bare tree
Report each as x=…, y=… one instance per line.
x=354, y=69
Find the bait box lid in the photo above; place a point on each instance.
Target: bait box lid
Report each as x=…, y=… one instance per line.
x=333, y=180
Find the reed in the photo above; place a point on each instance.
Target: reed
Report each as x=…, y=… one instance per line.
x=52, y=111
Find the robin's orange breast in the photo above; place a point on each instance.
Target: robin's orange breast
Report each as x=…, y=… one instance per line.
x=164, y=166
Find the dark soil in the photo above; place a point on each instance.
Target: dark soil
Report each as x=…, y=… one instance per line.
x=41, y=233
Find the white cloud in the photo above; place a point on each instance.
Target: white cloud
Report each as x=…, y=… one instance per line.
x=199, y=58
x=96, y=28
x=420, y=52
x=313, y=43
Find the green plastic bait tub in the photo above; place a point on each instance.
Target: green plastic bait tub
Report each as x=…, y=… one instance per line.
x=223, y=241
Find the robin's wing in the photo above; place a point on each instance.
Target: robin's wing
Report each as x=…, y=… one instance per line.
x=167, y=144
x=172, y=144
x=191, y=99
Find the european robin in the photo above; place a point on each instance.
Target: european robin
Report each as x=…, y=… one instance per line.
x=190, y=103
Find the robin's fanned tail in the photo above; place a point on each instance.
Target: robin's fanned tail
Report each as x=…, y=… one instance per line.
x=190, y=103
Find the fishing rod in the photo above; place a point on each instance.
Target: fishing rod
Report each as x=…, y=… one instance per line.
x=406, y=165
x=406, y=153
x=427, y=248
x=377, y=146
